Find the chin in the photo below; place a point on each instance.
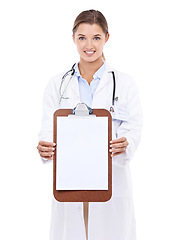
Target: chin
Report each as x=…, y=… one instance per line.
x=92, y=59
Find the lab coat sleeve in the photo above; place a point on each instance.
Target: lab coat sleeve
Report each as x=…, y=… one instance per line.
x=50, y=105
x=132, y=127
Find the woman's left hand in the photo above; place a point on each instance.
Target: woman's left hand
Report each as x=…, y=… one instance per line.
x=118, y=146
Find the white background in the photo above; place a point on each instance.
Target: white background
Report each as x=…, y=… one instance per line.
x=36, y=44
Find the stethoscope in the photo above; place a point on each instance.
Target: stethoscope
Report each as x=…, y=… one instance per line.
x=72, y=71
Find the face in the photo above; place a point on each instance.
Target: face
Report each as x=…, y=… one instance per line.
x=90, y=40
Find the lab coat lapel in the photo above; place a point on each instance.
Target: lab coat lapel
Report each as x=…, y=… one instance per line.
x=104, y=79
x=75, y=87
x=71, y=93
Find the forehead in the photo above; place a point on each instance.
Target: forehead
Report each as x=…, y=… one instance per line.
x=89, y=29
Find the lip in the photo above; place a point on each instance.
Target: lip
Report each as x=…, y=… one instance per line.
x=89, y=53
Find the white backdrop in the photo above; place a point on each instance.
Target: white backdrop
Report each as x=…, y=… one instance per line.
x=36, y=44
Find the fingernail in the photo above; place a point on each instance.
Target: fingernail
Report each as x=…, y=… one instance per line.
x=54, y=144
x=110, y=141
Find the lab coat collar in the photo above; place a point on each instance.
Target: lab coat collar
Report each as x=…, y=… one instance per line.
x=74, y=86
x=77, y=72
x=106, y=76
x=97, y=75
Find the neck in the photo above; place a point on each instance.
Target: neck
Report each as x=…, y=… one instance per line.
x=88, y=69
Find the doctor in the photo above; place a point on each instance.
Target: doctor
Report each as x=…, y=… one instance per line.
x=92, y=83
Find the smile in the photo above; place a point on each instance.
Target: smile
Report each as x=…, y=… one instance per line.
x=89, y=53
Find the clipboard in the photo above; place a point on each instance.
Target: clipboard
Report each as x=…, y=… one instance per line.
x=82, y=195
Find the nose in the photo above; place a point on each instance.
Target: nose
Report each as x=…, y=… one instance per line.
x=89, y=44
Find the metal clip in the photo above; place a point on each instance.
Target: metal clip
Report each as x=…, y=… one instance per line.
x=82, y=110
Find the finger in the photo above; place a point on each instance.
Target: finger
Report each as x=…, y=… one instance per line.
x=117, y=140
x=45, y=149
x=47, y=144
x=119, y=145
x=115, y=154
x=46, y=154
x=118, y=150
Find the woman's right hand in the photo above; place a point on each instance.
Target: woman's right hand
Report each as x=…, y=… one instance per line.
x=46, y=149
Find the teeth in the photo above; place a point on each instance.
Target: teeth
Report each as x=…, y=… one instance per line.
x=89, y=52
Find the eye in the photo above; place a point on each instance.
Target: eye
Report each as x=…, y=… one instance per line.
x=81, y=38
x=97, y=38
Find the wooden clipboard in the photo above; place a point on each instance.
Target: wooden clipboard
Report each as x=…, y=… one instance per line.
x=83, y=195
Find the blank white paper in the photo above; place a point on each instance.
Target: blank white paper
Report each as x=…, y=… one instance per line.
x=82, y=153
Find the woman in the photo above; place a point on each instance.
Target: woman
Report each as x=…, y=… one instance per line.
x=92, y=83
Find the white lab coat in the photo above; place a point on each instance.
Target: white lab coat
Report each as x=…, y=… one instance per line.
x=113, y=219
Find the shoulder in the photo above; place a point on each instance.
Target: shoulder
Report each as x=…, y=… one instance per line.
x=126, y=86
x=56, y=78
x=55, y=81
x=123, y=79
x=53, y=84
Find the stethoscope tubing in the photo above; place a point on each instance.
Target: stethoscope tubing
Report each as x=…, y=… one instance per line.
x=114, y=87
x=72, y=70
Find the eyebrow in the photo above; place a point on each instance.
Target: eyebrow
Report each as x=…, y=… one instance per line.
x=97, y=35
x=80, y=34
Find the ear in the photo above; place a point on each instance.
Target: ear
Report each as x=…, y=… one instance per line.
x=107, y=37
